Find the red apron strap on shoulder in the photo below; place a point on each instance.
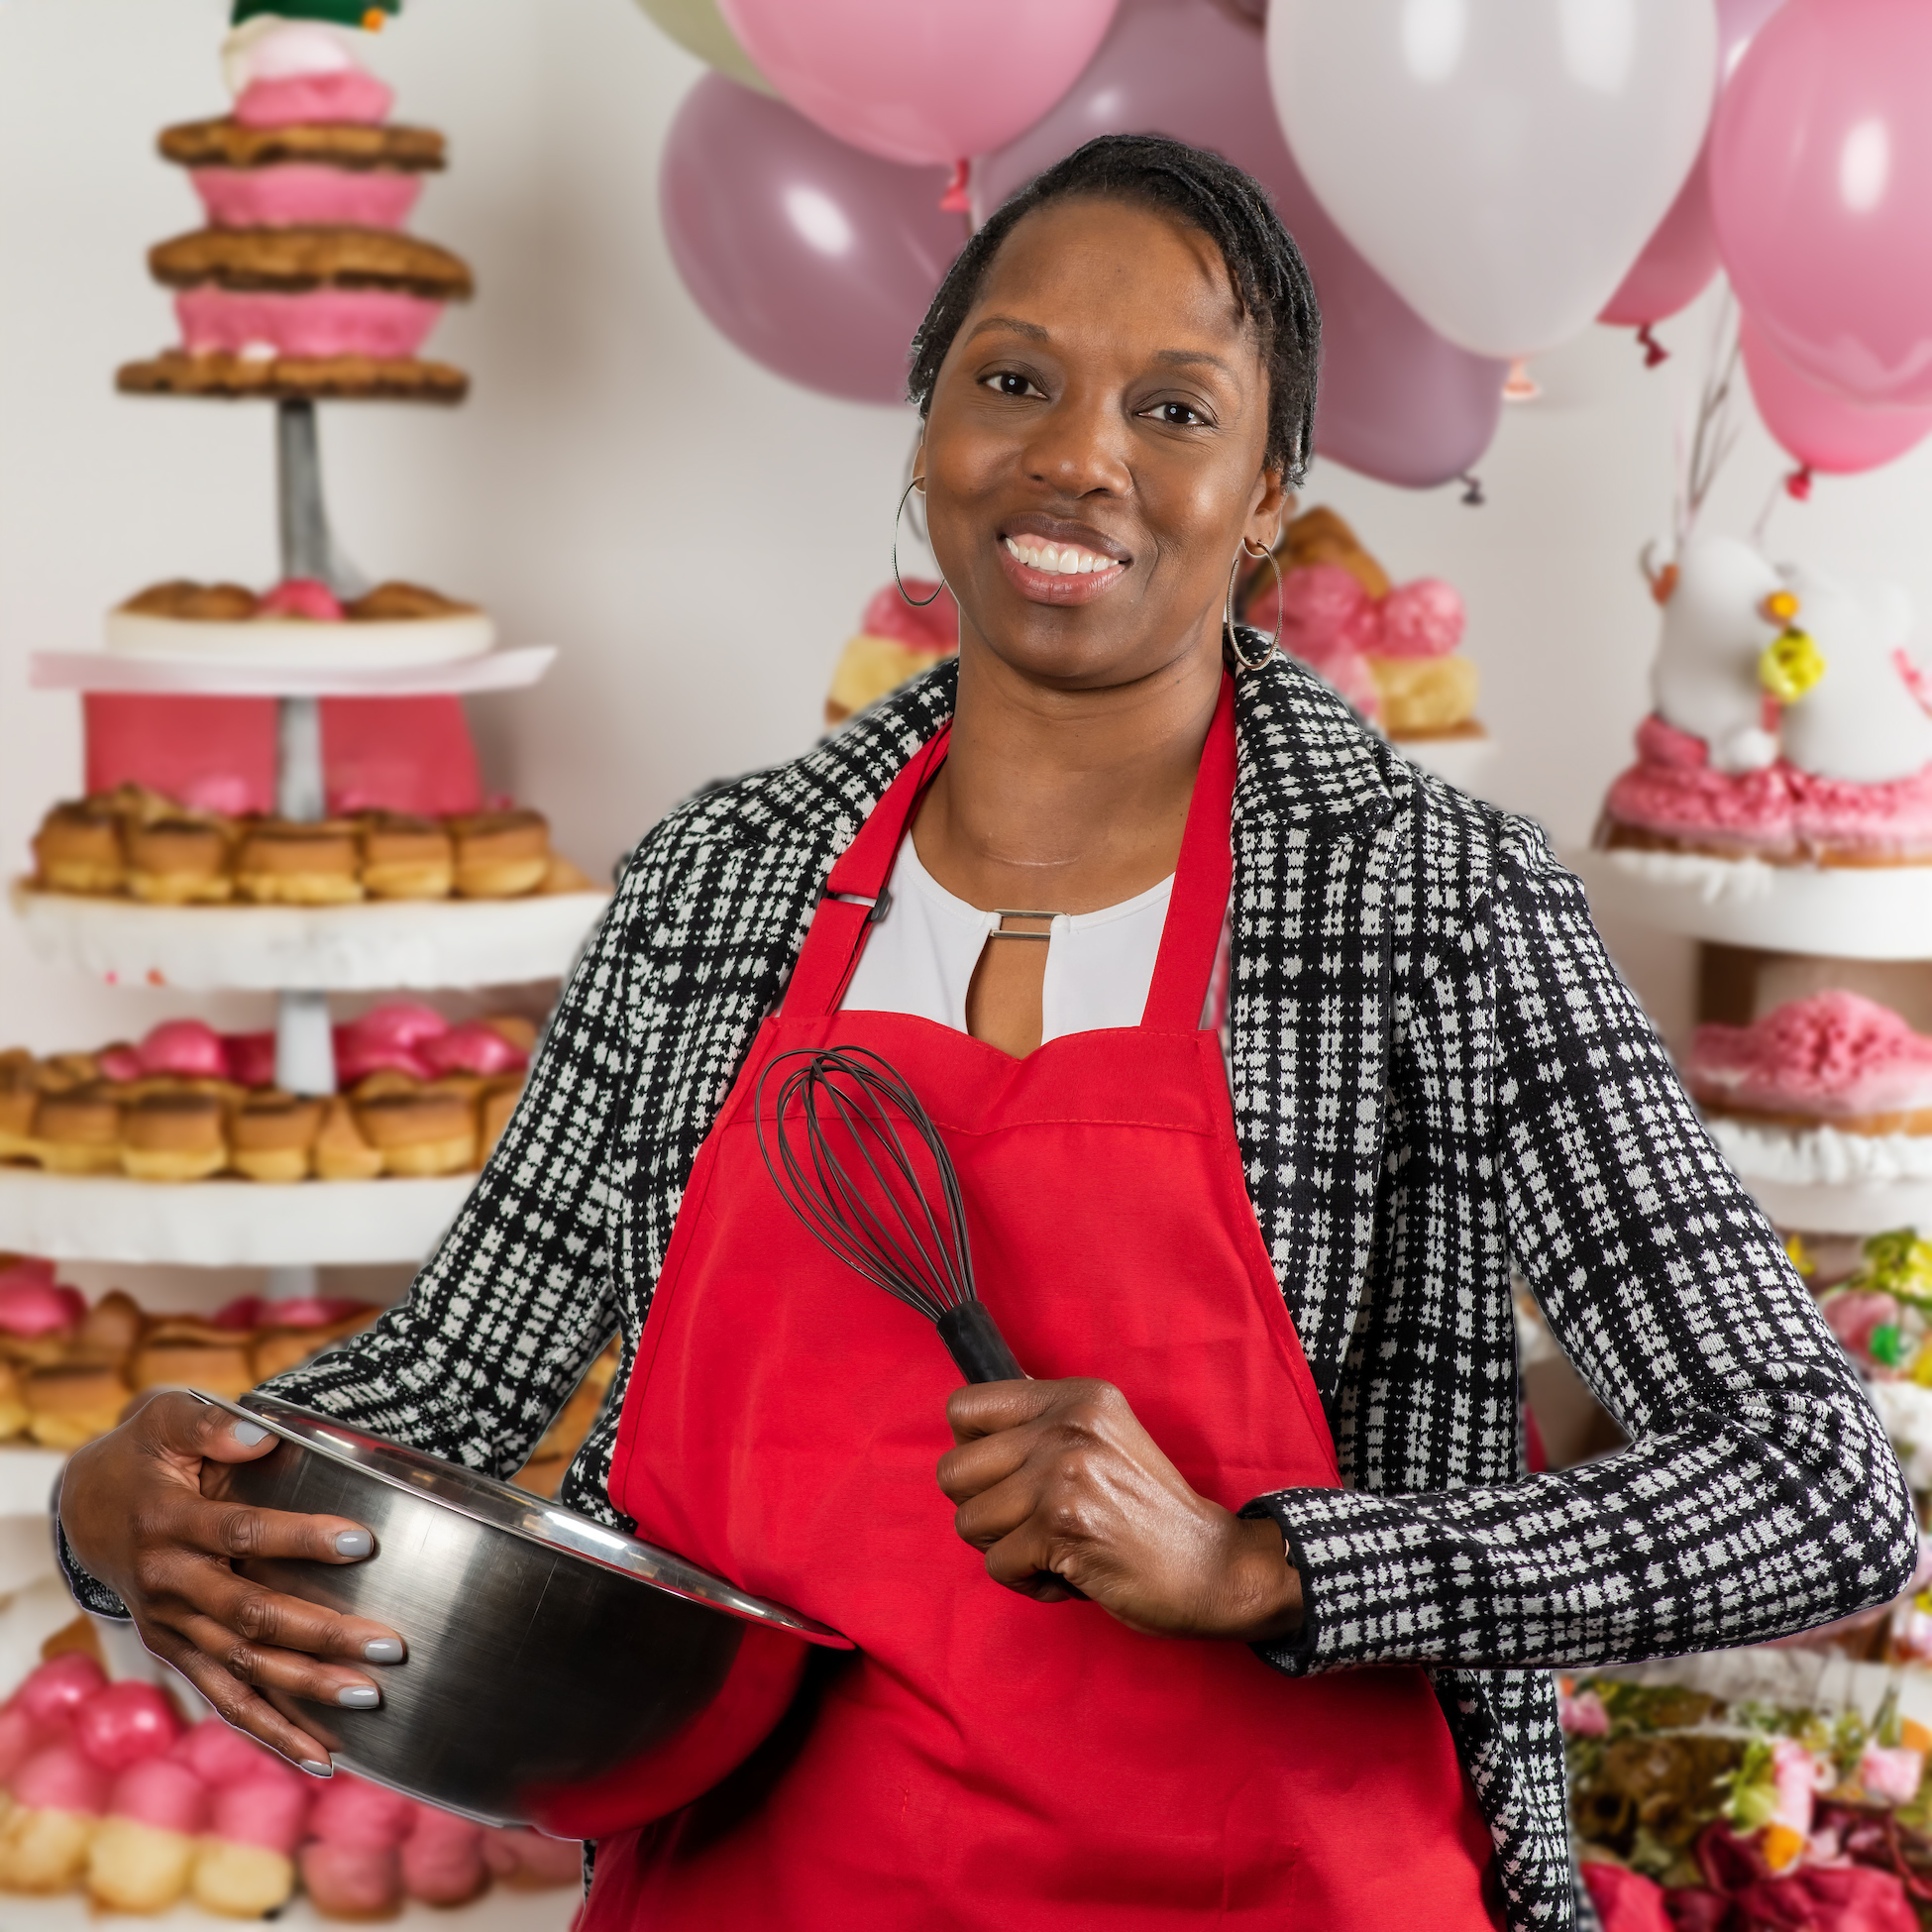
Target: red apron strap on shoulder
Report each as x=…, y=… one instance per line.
x=856, y=888
x=1198, y=905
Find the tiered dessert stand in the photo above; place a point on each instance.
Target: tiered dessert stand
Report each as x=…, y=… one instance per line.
x=301, y=953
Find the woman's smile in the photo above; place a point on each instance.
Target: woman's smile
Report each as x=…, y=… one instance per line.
x=1049, y=561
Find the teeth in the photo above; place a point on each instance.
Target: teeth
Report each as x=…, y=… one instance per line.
x=1066, y=561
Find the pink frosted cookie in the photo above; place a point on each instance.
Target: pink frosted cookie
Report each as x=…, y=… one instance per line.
x=119, y=1726
x=1673, y=798
x=383, y=323
x=347, y=96
x=52, y=1691
x=246, y=1864
x=442, y=1858
x=1834, y=1060
x=59, y=1797
x=140, y=1858
x=298, y=194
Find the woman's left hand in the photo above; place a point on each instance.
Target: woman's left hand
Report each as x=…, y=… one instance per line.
x=1058, y=1481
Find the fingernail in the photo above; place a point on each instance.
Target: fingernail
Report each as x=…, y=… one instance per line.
x=247, y=1433
x=382, y=1650
x=316, y=1768
x=359, y=1697
x=354, y=1542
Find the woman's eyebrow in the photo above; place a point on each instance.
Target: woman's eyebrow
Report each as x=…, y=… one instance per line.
x=1175, y=356
x=1013, y=323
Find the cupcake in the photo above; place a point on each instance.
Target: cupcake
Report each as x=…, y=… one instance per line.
x=140, y=1858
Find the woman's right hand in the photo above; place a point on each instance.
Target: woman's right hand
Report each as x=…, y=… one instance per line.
x=136, y=1515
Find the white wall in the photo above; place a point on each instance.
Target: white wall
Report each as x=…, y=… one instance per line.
x=697, y=535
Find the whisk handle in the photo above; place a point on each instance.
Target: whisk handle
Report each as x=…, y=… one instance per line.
x=975, y=1343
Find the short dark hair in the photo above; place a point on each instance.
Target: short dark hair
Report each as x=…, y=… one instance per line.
x=1265, y=269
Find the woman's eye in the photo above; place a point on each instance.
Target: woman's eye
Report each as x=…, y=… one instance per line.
x=1010, y=383
x=1181, y=415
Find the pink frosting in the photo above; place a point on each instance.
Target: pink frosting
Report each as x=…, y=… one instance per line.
x=1856, y=1314
x=61, y=1778
x=349, y=94
x=219, y=1755
x=306, y=194
x=54, y=1691
x=532, y=1858
x=20, y=1738
x=474, y=1048
x=1330, y=623
x=187, y=1047
x=934, y=627
x=250, y=1058
x=1778, y=813
x=378, y=322
x=1423, y=619
x=125, y=1723
x=271, y=1812
x=1831, y=1054
x=388, y=1036
x=31, y=1305
x=359, y=1815
x=350, y=1880
x=304, y=598
x=299, y=1312
x=161, y=1793
x=442, y=1858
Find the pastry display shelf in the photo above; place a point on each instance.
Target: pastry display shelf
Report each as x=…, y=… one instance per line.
x=1460, y=758
x=101, y=671
x=1881, y=911
x=372, y=947
x=225, y=1224
x=498, y=1910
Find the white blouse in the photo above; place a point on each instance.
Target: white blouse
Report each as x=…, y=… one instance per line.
x=919, y=958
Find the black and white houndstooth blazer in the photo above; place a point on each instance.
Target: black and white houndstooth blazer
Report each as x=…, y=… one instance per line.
x=1435, y=1070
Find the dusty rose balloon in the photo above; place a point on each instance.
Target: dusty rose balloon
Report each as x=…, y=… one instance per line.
x=1821, y=187
x=815, y=259
x=1681, y=258
x=1820, y=428
x=1397, y=401
x=920, y=80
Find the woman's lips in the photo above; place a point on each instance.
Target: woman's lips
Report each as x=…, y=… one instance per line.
x=1047, y=573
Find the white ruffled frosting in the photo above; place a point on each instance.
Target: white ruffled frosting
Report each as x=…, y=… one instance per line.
x=1820, y=1156
x=268, y=48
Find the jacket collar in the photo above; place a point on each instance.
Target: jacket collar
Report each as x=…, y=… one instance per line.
x=1304, y=759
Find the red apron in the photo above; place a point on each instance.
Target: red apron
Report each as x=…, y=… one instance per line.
x=984, y=1761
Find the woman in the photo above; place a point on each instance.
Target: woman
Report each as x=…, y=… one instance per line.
x=1293, y=1274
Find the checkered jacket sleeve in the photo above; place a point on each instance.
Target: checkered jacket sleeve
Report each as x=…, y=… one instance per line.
x=1759, y=1494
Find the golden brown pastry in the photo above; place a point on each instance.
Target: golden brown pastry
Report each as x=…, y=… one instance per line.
x=560, y=876
x=174, y=1137
x=407, y=858
x=178, y=862
x=301, y=257
x=283, y=863
x=394, y=603
x=272, y=1136
x=276, y=1351
x=401, y=379
x=109, y=1332
x=385, y=1080
x=77, y=849
x=226, y=142
x=72, y=1404
x=217, y=603
x=221, y=1366
x=421, y=1133
x=499, y=1102
x=13, y=1414
x=20, y=1097
x=1320, y=536
x=79, y=1131
x=512, y=1026
x=63, y=1071
x=500, y=854
x=341, y=1153
x=1423, y=698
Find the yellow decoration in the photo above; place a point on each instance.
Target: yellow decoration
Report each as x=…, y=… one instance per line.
x=1792, y=664
x=1913, y=1735
x=1800, y=1256
x=1922, y=1368
x=1781, y=1845
x=1896, y=1263
x=1781, y=608
x=373, y=20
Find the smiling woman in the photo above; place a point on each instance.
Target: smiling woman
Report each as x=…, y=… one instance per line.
x=1247, y=1598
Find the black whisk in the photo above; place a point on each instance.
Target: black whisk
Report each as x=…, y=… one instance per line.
x=856, y=1185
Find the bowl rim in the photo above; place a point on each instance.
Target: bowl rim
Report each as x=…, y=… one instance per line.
x=520, y=1513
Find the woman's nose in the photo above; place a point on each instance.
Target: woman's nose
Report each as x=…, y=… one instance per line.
x=1079, y=446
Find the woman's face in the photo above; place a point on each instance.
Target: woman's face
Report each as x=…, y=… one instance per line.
x=1093, y=449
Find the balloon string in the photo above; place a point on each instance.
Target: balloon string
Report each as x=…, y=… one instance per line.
x=1472, y=488
x=1653, y=350
x=955, y=200
x=1799, y=484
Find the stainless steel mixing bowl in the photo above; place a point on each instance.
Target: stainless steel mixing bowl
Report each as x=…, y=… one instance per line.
x=558, y=1674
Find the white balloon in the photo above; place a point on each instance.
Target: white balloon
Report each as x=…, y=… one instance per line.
x=1502, y=162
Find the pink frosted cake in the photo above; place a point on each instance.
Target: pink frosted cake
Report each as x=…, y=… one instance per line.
x=1834, y=1060
x=303, y=282
x=1790, y=746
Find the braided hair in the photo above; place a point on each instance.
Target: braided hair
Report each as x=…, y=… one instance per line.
x=1271, y=280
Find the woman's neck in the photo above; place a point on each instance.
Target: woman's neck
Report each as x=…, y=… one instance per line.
x=1065, y=800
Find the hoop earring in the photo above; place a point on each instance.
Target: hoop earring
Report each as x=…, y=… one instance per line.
x=917, y=603
x=1274, y=643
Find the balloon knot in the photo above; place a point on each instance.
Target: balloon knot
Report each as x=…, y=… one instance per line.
x=1799, y=484
x=1473, y=490
x=1653, y=350
x=955, y=200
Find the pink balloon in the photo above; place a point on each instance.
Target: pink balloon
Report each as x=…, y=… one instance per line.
x=1681, y=258
x=1396, y=402
x=1821, y=187
x=815, y=259
x=920, y=80
x=1818, y=426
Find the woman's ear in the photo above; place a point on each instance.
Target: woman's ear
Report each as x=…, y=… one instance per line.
x=1275, y=503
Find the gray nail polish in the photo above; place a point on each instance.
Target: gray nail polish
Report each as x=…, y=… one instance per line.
x=247, y=1433
x=382, y=1650
x=316, y=1768
x=354, y=1542
x=359, y=1697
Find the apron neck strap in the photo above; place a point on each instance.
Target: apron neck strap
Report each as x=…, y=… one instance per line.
x=856, y=893
x=1197, y=909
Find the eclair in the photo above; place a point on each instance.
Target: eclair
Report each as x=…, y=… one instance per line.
x=77, y=849
x=174, y=1137
x=284, y=863
x=178, y=862
x=272, y=1136
x=407, y=858
x=422, y=1134
x=500, y=854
